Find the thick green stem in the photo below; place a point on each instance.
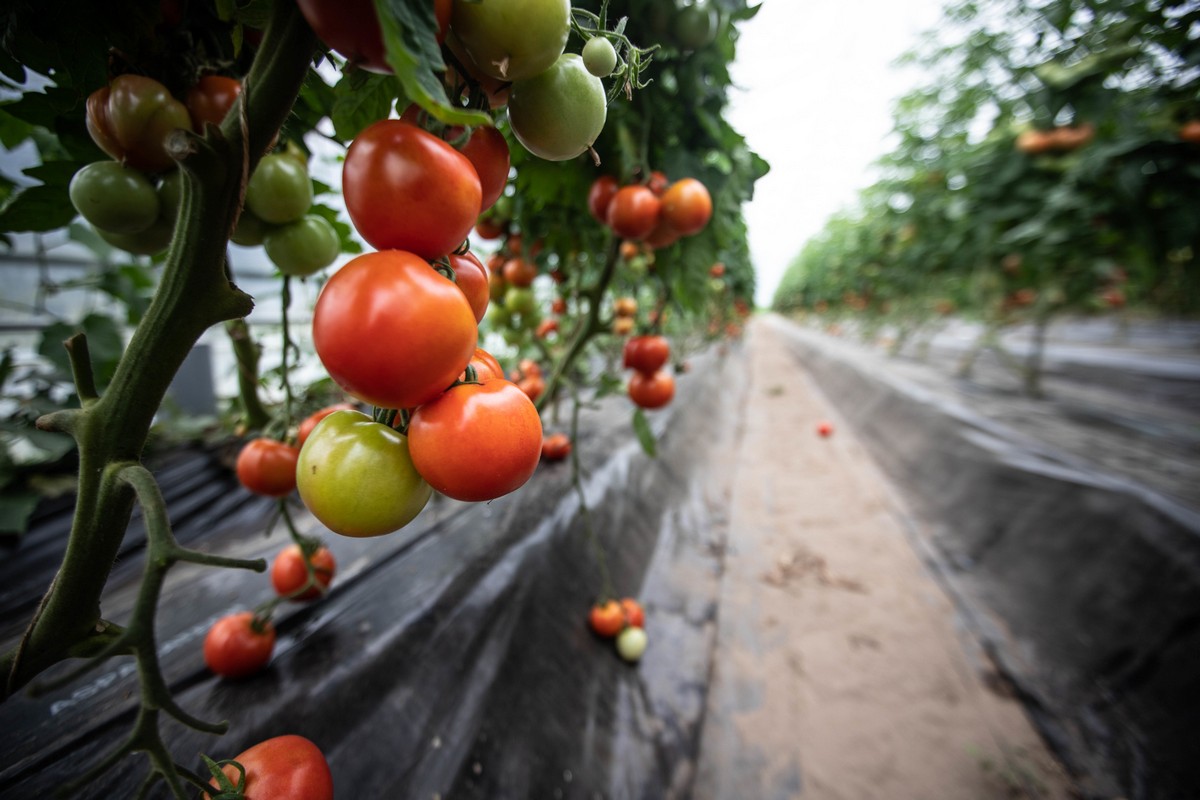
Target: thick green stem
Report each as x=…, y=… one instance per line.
x=247, y=354
x=195, y=293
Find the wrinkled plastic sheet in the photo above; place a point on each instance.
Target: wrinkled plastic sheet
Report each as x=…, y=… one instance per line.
x=1084, y=587
x=452, y=658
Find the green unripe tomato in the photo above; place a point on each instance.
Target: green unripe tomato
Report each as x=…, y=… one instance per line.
x=303, y=247
x=512, y=39
x=519, y=300
x=631, y=643
x=356, y=476
x=114, y=198
x=149, y=242
x=599, y=57
x=497, y=316
x=696, y=26
x=558, y=113
x=280, y=190
x=250, y=229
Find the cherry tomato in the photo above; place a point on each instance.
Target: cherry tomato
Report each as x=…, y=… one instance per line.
x=489, y=228
x=114, y=198
x=607, y=619
x=519, y=272
x=131, y=118
x=625, y=307
x=513, y=39
x=599, y=57
x=657, y=182
x=635, y=615
x=651, y=391
x=556, y=447
x=250, y=229
x=406, y=189
x=487, y=150
x=633, y=212
x=717, y=270
x=557, y=114
x=300, y=248
x=209, y=101
x=646, y=354
x=356, y=476
x=351, y=28
x=631, y=643
x=600, y=195
x=696, y=25
x=662, y=236
x=477, y=441
x=280, y=190
x=472, y=279
x=310, y=422
x=283, y=768
x=486, y=366
x=558, y=306
x=529, y=367
x=533, y=386
x=687, y=206
x=268, y=467
x=239, y=645
x=546, y=327
x=289, y=574
x=623, y=326
x=391, y=331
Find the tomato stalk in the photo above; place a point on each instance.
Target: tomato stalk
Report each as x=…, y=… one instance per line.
x=195, y=293
x=247, y=353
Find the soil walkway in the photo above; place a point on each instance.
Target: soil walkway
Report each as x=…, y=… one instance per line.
x=839, y=669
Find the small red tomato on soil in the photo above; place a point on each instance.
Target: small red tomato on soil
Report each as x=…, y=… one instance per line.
x=651, y=391
x=282, y=768
x=239, y=645
x=635, y=615
x=825, y=428
x=288, y=573
x=607, y=619
x=268, y=467
x=556, y=447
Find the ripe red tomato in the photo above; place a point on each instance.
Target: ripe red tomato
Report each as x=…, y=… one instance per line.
x=239, y=645
x=687, y=206
x=489, y=228
x=476, y=441
x=131, y=118
x=486, y=366
x=607, y=619
x=519, y=272
x=487, y=150
x=533, y=386
x=635, y=615
x=283, y=768
x=310, y=422
x=657, y=182
x=651, y=391
x=556, y=447
x=406, y=189
x=288, y=573
x=351, y=28
x=558, y=305
x=546, y=327
x=472, y=279
x=717, y=270
x=625, y=307
x=268, y=467
x=825, y=428
x=1190, y=131
x=391, y=331
x=633, y=212
x=662, y=236
x=646, y=354
x=600, y=195
x=210, y=100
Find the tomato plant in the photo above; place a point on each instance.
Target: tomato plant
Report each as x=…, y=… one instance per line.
x=557, y=114
x=131, y=118
x=406, y=189
x=268, y=467
x=285, y=767
x=357, y=477
x=392, y=331
x=239, y=645
x=289, y=573
x=477, y=441
x=654, y=390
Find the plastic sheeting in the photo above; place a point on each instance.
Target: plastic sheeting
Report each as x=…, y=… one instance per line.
x=452, y=658
x=1083, y=586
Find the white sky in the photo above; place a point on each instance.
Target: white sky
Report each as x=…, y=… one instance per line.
x=817, y=87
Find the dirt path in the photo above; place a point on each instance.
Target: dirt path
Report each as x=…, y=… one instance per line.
x=839, y=669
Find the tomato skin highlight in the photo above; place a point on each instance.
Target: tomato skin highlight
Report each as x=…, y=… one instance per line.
x=268, y=467
x=234, y=649
x=288, y=572
x=651, y=391
x=282, y=768
x=477, y=441
x=357, y=477
x=406, y=189
x=392, y=331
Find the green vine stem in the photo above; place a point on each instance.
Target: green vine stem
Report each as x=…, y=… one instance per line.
x=247, y=353
x=196, y=292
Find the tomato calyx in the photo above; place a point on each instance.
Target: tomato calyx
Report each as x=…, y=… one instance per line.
x=443, y=268
x=227, y=789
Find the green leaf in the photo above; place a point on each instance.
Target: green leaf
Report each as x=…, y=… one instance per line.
x=16, y=507
x=641, y=426
x=37, y=208
x=362, y=98
x=410, y=34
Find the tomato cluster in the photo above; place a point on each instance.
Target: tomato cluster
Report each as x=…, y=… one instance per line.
x=650, y=386
x=655, y=212
x=626, y=621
